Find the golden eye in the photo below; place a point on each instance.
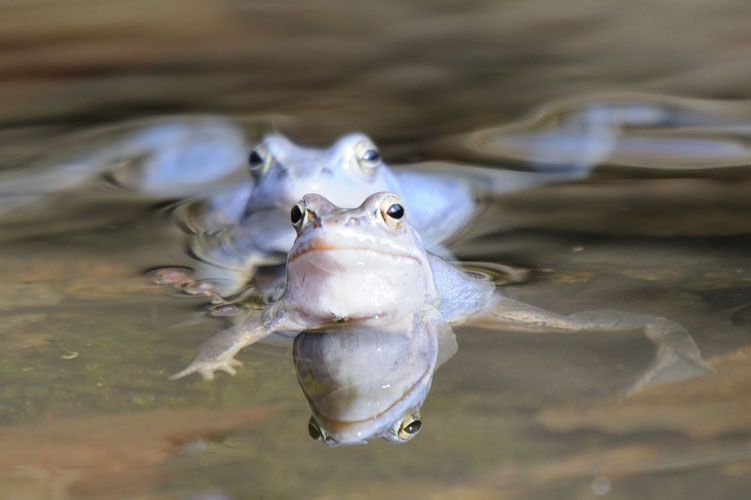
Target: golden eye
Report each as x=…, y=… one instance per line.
x=409, y=426
x=368, y=157
x=259, y=161
x=300, y=215
x=392, y=212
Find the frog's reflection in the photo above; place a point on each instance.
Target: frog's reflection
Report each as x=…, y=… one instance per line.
x=363, y=384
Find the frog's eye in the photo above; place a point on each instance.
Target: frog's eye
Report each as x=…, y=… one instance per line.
x=408, y=427
x=315, y=431
x=368, y=157
x=371, y=156
x=392, y=212
x=259, y=161
x=297, y=215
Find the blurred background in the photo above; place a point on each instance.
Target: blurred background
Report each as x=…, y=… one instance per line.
x=398, y=70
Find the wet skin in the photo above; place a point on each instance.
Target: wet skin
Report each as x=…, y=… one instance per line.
x=441, y=198
x=366, y=269
x=346, y=173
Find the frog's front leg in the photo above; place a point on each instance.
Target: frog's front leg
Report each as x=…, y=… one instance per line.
x=218, y=352
x=677, y=356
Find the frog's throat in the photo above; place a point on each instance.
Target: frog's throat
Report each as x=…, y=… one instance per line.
x=320, y=246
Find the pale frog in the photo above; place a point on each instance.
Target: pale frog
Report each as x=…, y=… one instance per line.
x=365, y=269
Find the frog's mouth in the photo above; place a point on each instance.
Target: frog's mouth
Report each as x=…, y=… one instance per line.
x=322, y=246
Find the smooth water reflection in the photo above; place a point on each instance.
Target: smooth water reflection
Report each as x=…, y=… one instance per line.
x=363, y=384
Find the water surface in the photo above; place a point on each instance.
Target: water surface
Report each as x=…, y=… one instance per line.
x=656, y=126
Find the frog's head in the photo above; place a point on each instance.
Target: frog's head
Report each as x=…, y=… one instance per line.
x=363, y=384
x=362, y=264
x=345, y=173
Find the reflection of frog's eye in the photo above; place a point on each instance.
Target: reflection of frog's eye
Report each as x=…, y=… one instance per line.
x=409, y=427
x=368, y=158
x=259, y=161
x=315, y=431
x=255, y=159
x=392, y=212
x=297, y=215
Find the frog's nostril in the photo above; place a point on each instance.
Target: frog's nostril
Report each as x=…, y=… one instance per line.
x=327, y=171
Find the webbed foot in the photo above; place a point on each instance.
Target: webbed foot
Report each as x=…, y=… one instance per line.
x=218, y=352
x=207, y=368
x=670, y=367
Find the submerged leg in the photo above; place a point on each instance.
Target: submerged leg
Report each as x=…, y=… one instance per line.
x=677, y=356
x=224, y=265
x=218, y=352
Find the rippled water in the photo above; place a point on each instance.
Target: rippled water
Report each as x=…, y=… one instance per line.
x=641, y=111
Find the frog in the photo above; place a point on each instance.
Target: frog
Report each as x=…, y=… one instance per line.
x=367, y=269
x=632, y=130
x=442, y=198
x=346, y=172
x=158, y=159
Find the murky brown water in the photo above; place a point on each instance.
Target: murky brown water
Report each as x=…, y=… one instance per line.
x=646, y=103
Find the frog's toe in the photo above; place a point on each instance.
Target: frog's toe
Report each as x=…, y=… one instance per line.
x=184, y=373
x=207, y=368
x=225, y=366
